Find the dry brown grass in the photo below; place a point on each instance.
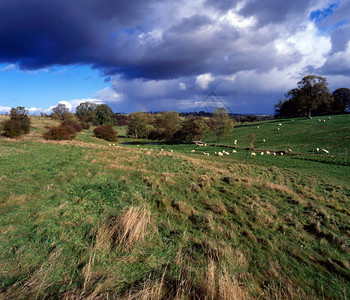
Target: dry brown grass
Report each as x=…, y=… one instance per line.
x=280, y=188
x=131, y=227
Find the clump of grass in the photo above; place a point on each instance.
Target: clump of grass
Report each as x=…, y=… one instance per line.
x=131, y=227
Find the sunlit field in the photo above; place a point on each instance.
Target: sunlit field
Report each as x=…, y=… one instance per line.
x=141, y=219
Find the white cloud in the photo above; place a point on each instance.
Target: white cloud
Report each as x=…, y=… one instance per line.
x=182, y=86
x=108, y=95
x=5, y=109
x=203, y=81
x=10, y=67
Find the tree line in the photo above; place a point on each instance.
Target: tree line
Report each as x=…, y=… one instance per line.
x=312, y=96
x=166, y=125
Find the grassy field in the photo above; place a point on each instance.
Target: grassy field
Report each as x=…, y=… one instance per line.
x=82, y=219
x=301, y=135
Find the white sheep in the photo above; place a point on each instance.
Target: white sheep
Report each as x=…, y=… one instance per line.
x=281, y=153
x=329, y=118
x=268, y=152
x=289, y=150
x=252, y=154
x=318, y=149
x=324, y=121
x=264, y=140
x=193, y=151
x=235, y=142
x=324, y=151
x=258, y=127
x=234, y=151
x=220, y=154
x=171, y=151
x=262, y=153
x=274, y=153
x=110, y=144
x=138, y=145
x=205, y=153
x=293, y=120
x=161, y=150
x=280, y=124
x=278, y=128
x=319, y=120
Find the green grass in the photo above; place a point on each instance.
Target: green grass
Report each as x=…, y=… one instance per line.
x=84, y=219
x=302, y=136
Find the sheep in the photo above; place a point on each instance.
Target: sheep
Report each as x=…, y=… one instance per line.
x=281, y=153
x=252, y=154
x=318, y=149
x=234, y=151
x=235, y=142
x=278, y=128
x=324, y=151
x=319, y=120
x=264, y=140
x=274, y=153
x=289, y=150
x=215, y=153
x=293, y=120
x=280, y=124
x=161, y=150
x=258, y=127
x=171, y=151
x=138, y=145
x=193, y=151
x=324, y=121
x=262, y=153
x=329, y=118
x=220, y=154
x=113, y=144
x=110, y=144
x=205, y=153
x=225, y=152
x=268, y=152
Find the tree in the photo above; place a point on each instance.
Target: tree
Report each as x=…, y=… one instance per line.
x=193, y=128
x=312, y=92
x=139, y=125
x=166, y=124
x=18, y=124
x=220, y=123
x=104, y=115
x=341, y=102
x=85, y=112
x=60, y=112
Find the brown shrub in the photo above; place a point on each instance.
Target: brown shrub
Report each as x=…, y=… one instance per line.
x=106, y=132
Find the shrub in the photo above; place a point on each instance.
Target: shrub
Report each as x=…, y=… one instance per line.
x=85, y=125
x=57, y=133
x=18, y=124
x=12, y=128
x=105, y=132
x=72, y=126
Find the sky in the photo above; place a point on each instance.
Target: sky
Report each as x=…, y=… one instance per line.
x=154, y=55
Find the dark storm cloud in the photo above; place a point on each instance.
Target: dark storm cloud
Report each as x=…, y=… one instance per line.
x=41, y=33
x=191, y=23
x=222, y=5
x=274, y=11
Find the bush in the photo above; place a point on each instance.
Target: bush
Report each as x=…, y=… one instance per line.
x=18, y=124
x=85, y=125
x=57, y=133
x=72, y=126
x=12, y=128
x=105, y=132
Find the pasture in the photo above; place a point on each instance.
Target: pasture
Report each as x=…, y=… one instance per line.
x=83, y=219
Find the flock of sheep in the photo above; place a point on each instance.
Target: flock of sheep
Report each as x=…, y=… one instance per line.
x=224, y=152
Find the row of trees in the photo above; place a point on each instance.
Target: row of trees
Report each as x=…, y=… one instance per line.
x=312, y=95
x=170, y=126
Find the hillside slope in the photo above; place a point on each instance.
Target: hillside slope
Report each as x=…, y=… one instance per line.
x=89, y=220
